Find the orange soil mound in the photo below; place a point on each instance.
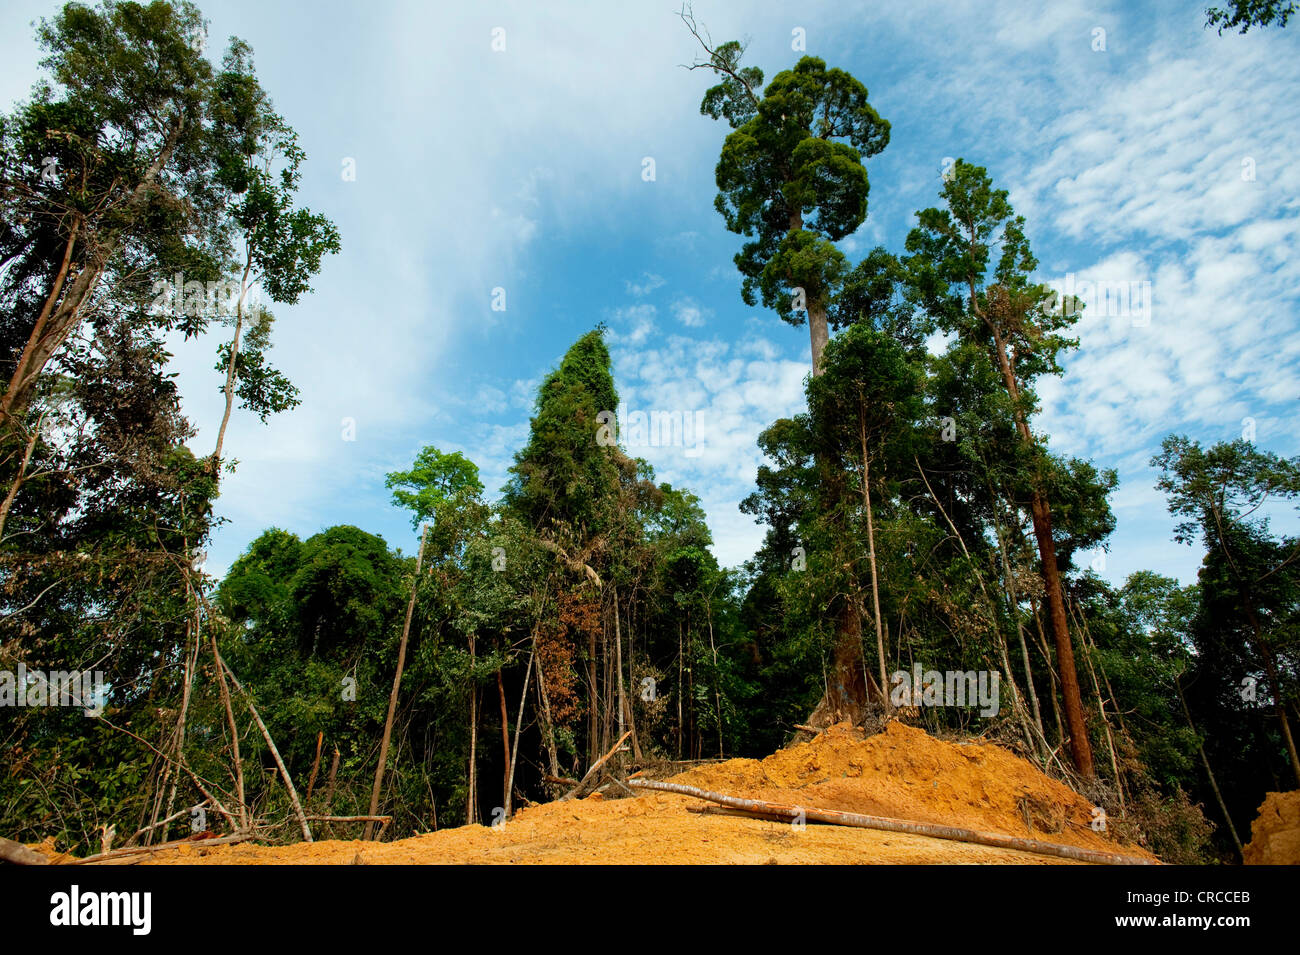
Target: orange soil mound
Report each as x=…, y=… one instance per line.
x=908, y=774
x=1275, y=833
x=902, y=772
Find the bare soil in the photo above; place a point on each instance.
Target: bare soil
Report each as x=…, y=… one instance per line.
x=901, y=772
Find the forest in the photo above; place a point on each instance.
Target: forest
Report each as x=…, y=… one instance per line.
x=918, y=521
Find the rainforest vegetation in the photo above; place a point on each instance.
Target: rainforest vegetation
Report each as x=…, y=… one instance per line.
x=915, y=514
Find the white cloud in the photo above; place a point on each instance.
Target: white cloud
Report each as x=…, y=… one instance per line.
x=649, y=283
x=686, y=311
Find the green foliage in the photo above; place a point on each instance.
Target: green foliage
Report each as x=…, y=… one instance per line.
x=791, y=174
x=1249, y=13
x=435, y=485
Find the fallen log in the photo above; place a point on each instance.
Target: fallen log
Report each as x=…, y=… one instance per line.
x=18, y=854
x=758, y=807
x=121, y=856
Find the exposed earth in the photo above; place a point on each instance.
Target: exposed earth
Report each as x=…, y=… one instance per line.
x=1275, y=834
x=901, y=772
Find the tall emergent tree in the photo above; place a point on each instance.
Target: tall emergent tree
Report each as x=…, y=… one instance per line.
x=791, y=179
x=791, y=176
x=1019, y=325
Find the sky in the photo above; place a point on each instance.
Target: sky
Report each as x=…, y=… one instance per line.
x=550, y=160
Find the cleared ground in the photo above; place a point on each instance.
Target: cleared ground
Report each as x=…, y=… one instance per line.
x=901, y=772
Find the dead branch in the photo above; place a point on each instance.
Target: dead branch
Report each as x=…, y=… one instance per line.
x=270, y=743
x=594, y=767
x=577, y=566
x=112, y=858
x=859, y=821
x=18, y=854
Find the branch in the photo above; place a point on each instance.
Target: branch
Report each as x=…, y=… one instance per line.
x=687, y=16
x=885, y=824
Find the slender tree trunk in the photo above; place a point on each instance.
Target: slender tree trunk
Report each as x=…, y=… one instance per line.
x=1040, y=511
x=315, y=765
x=717, y=692
x=519, y=727
x=275, y=752
x=471, y=797
x=871, y=546
x=1089, y=649
x=593, y=696
x=7, y=504
x=551, y=751
x=631, y=707
x=397, y=677
x=505, y=743
x=1013, y=607
x=1214, y=783
x=19, y=377
x=680, y=687
x=624, y=706
x=230, y=380
x=1051, y=670
x=191, y=664
x=234, y=732
x=329, y=790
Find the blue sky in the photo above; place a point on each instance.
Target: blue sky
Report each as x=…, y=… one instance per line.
x=1170, y=157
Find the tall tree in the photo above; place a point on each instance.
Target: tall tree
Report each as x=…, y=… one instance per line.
x=791, y=175
x=1017, y=323
x=259, y=163
x=107, y=171
x=865, y=409
x=1217, y=494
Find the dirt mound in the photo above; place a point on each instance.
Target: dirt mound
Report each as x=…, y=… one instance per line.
x=901, y=772
x=908, y=774
x=1275, y=833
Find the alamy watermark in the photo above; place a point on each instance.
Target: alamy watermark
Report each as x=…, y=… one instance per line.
x=76, y=688
x=652, y=429
x=1105, y=298
x=196, y=299
x=949, y=688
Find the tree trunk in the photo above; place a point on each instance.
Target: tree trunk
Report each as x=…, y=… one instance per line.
x=275, y=752
x=717, y=691
x=230, y=383
x=397, y=677
x=471, y=796
x=871, y=546
x=57, y=321
x=20, y=476
x=818, y=333
x=1080, y=746
x=1013, y=607
x=234, y=731
x=680, y=689
x=505, y=742
x=551, y=751
x=624, y=705
x=1051, y=670
x=519, y=728
x=1214, y=783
